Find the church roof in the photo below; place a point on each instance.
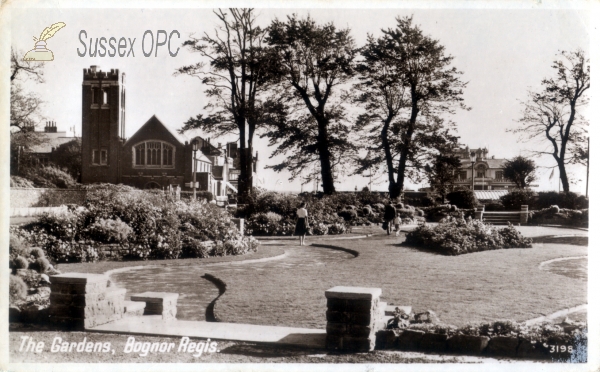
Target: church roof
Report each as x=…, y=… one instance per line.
x=156, y=121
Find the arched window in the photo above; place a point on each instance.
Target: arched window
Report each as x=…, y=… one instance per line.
x=153, y=154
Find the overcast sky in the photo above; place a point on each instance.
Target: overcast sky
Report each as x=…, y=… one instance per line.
x=501, y=52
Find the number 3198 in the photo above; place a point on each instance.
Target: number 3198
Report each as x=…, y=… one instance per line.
x=560, y=348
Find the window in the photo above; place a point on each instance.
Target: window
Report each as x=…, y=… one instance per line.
x=462, y=175
x=100, y=157
x=153, y=154
x=499, y=175
x=96, y=95
x=480, y=174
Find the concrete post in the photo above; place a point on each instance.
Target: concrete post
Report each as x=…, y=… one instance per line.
x=354, y=315
x=524, y=214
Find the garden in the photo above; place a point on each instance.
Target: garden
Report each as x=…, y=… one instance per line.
x=501, y=281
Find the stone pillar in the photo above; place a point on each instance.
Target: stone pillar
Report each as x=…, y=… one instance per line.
x=524, y=214
x=159, y=303
x=80, y=301
x=354, y=315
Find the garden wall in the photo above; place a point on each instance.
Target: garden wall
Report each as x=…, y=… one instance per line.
x=30, y=197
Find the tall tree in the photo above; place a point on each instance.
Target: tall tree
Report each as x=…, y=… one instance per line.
x=406, y=75
x=552, y=114
x=520, y=170
x=25, y=108
x=442, y=173
x=312, y=63
x=237, y=73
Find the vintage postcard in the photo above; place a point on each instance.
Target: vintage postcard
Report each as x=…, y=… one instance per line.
x=316, y=185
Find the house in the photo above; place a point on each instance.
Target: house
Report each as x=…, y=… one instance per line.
x=50, y=141
x=155, y=156
x=488, y=171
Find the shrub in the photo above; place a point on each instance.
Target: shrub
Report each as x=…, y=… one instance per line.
x=348, y=214
x=568, y=200
x=41, y=265
x=37, y=253
x=405, y=213
x=205, y=195
x=194, y=248
x=17, y=289
x=50, y=176
x=17, y=247
x=337, y=228
x=16, y=181
x=379, y=207
x=319, y=229
x=109, y=231
x=420, y=212
x=20, y=262
x=457, y=236
x=494, y=207
x=464, y=199
x=516, y=198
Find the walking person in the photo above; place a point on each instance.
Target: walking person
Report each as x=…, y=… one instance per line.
x=302, y=223
x=389, y=213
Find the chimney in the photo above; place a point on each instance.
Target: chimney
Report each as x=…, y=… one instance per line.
x=93, y=68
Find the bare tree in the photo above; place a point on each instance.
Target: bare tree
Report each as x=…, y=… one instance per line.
x=25, y=107
x=552, y=114
x=235, y=69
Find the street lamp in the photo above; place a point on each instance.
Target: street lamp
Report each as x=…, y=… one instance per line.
x=473, y=158
x=194, y=148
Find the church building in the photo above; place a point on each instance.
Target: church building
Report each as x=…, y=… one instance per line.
x=155, y=156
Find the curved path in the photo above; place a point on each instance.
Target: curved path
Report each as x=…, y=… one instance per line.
x=289, y=291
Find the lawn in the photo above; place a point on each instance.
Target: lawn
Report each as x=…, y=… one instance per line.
x=475, y=287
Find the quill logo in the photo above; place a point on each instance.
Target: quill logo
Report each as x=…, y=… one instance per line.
x=40, y=52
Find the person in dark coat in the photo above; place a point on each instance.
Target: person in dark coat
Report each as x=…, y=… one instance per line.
x=389, y=213
x=302, y=223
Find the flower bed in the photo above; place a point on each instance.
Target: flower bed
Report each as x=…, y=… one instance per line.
x=272, y=213
x=559, y=216
x=458, y=236
x=144, y=224
x=560, y=342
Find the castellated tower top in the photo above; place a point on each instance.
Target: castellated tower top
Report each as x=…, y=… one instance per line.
x=95, y=73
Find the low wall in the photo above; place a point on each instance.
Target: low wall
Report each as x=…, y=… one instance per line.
x=30, y=197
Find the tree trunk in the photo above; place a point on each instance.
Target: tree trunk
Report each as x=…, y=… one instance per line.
x=243, y=178
x=325, y=158
x=393, y=187
x=407, y=142
x=563, y=176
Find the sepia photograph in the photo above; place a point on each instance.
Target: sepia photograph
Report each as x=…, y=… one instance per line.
x=298, y=185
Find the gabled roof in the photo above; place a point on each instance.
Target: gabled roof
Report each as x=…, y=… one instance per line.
x=154, y=121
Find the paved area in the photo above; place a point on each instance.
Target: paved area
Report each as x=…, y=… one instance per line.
x=154, y=325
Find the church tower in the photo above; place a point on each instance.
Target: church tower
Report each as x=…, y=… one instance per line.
x=102, y=125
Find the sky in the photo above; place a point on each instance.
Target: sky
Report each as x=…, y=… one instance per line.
x=502, y=54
